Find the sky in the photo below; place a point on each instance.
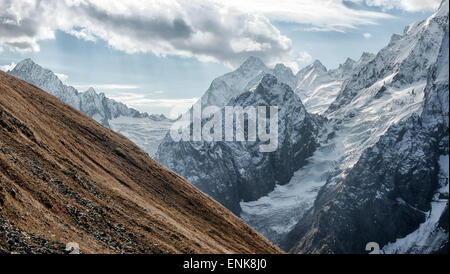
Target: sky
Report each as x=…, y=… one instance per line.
x=161, y=56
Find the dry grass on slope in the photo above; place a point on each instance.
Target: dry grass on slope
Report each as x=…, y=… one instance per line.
x=66, y=178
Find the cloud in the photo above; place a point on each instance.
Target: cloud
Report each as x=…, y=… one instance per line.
x=5, y=68
x=323, y=29
x=209, y=30
x=23, y=23
x=304, y=59
x=319, y=14
x=367, y=35
x=407, y=5
x=63, y=77
x=172, y=107
x=104, y=86
x=206, y=30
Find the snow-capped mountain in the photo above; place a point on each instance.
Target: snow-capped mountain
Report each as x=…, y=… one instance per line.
x=232, y=84
x=145, y=130
x=391, y=186
x=232, y=172
x=318, y=87
x=370, y=144
x=362, y=149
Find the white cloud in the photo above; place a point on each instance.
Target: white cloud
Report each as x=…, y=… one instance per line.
x=320, y=14
x=407, y=5
x=324, y=29
x=101, y=87
x=304, y=59
x=7, y=67
x=367, y=35
x=208, y=30
x=172, y=107
x=82, y=34
x=63, y=77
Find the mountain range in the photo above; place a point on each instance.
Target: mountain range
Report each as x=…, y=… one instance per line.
x=145, y=130
x=355, y=162
x=362, y=149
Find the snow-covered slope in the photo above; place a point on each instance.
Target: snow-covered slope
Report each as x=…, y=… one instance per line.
x=318, y=87
x=387, y=90
x=360, y=100
x=145, y=130
x=277, y=213
x=432, y=235
x=389, y=186
x=237, y=171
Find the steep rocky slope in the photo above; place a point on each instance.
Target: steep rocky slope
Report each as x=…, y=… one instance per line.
x=232, y=172
x=377, y=99
x=65, y=178
x=396, y=194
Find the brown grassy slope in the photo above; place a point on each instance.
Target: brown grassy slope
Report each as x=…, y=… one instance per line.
x=66, y=178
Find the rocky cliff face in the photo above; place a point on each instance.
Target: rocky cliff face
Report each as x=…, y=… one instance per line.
x=234, y=171
x=397, y=192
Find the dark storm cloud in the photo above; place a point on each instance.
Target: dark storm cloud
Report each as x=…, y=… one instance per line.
x=26, y=27
x=139, y=26
x=19, y=45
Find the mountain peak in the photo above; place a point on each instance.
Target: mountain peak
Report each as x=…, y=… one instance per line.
x=443, y=8
x=347, y=65
x=282, y=68
x=270, y=85
x=27, y=61
x=26, y=64
x=349, y=61
x=253, y=62
x=47, y=80
x=33, y=73
x=366, y=54
x=318, y=65
x=366, y=57
x=268, y=80
x=91, y=90
x=395, y=37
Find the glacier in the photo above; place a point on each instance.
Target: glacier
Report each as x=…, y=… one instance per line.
x=360, y=114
